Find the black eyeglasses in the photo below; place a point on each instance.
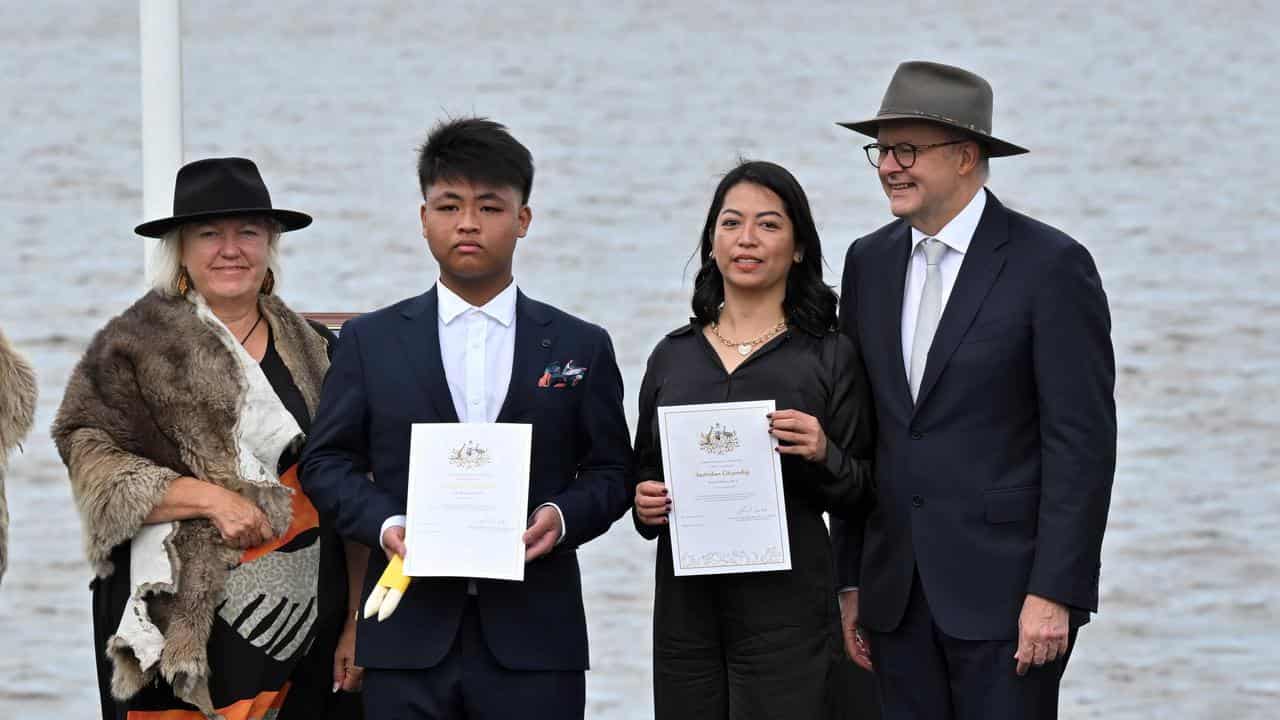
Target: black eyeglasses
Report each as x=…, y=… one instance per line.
x=904, y=152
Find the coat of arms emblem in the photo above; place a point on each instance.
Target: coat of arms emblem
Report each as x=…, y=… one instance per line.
x=718, y=440
x=469, y=456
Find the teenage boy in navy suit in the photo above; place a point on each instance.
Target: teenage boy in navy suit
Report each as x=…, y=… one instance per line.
x=473, y=349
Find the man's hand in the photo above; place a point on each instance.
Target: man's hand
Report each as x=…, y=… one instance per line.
x=543, y=533
x=855, y=642
x=802, y=433
x=652, y=502
x=393, y=541
x=241, y=523
x=1042, y=633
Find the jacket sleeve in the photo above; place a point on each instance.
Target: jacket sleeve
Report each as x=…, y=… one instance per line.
x=847, y=530
x=1075, y=380
x=848, y=424
x=599, y=493
x=648, y=461
x=335, y=463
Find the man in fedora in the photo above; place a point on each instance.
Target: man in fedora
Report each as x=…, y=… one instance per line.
x=986, y=337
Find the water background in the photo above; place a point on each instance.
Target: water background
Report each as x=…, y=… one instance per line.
x=1153, y=142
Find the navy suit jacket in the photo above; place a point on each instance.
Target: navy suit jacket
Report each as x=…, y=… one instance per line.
x=386, y=375
x=996, y=483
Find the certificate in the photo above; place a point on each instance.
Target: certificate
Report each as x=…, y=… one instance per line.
x=728, y=514
x=468, y=500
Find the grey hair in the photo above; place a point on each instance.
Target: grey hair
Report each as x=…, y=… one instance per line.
x=166, y=259
x=983, y=166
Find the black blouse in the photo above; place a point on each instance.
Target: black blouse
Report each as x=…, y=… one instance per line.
x=821, y=375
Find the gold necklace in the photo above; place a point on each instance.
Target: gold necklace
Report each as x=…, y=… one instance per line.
x=745, y=347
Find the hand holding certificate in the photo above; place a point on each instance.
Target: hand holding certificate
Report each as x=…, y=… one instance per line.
x=725, y=479
x=468, y=496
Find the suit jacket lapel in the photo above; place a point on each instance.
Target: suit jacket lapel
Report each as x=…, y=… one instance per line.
x=420, y=336
x=534, y=340
x=982, y=264
x=888, y=289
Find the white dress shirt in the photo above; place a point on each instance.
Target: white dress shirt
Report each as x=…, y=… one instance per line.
x=956, y=235
x=477, y=349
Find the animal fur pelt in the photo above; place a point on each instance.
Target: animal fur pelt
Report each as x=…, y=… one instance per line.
x=156, y=396
x=17, y=410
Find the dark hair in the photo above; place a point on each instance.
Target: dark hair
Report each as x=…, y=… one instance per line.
x=810, y=304
x=476, y=150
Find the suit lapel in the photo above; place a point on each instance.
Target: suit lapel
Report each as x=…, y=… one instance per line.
x=420, y=335
x=535, y=338
x=979, y=270
x=887, y=295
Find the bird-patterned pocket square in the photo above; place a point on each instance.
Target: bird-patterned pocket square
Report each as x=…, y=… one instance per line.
x=562, y=374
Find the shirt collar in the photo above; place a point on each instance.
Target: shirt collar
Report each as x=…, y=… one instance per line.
x=958, y=233
x=501, y=308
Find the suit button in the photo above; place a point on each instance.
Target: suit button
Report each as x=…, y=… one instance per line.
x=917, y=501
x=916, y=435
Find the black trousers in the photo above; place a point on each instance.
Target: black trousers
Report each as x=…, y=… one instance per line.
x=854, y=695
x=756, y=646
x=924, y=674
x=470, y=684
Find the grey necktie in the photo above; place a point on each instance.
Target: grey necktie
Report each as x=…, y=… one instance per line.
x=930, y=311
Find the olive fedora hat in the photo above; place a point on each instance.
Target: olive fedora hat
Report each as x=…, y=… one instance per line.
x=218, y=187
x=941, y=94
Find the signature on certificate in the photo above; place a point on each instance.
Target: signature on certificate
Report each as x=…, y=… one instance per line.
x=752, y=512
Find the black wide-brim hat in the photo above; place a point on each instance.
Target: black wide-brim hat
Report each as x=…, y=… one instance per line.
x=941, y=94
x=219, y=187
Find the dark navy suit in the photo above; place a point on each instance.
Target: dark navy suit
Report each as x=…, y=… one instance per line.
x=996, y=483
x=386, y=375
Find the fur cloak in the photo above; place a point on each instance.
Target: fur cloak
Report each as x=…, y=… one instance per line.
x=159, y=394
x=17, y=410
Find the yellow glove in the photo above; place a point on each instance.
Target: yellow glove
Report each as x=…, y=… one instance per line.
x=387, y=593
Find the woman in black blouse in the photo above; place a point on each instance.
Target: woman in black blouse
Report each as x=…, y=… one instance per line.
x=757, y=644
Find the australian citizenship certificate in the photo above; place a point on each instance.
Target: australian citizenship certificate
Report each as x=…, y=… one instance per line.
x=468, y=500
x=724, y=475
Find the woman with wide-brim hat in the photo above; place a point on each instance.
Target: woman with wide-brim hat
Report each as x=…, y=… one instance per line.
x=219, y=591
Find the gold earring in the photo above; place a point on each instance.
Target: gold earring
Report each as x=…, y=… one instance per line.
x=268, y=283
x=184, y=282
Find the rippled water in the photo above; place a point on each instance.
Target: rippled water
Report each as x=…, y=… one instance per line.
x=1153, y=139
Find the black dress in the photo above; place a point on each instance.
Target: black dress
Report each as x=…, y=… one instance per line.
x=758, y=645
x=311, y=682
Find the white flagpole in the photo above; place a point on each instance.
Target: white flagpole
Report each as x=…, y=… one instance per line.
x=161, y=73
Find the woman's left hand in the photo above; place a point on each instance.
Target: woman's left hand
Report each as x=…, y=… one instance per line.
x=346, y=674
x=802, y=434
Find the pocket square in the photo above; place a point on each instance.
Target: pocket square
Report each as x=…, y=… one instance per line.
x=562, y=374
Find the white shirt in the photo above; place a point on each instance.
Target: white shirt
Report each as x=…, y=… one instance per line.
x=477, y=349
x=956, y=235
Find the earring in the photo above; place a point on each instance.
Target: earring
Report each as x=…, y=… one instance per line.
x=268, y=283
x=184, y=282
x=798, y=257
